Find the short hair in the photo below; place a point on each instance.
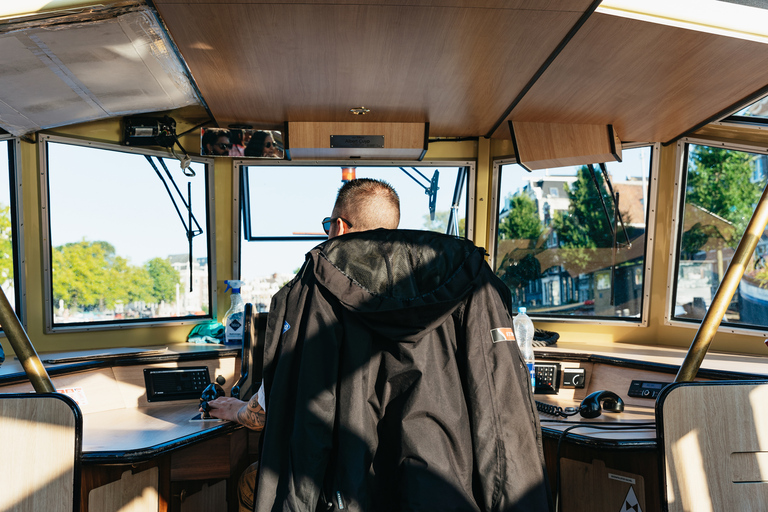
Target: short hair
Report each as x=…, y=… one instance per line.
x=211, y=135
x=368, y=204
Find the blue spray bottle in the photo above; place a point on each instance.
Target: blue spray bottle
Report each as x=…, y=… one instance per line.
x=233, y=319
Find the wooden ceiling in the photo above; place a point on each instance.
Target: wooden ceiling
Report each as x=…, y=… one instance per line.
x=460, y=65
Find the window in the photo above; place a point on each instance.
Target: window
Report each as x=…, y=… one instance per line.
x=10, y=218
x=123, y=247
x=722, y=186
x=283, y=206
x=583, y=257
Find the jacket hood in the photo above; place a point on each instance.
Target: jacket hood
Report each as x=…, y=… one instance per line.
x=401, y=282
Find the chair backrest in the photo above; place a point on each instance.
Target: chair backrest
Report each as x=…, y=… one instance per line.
x=42, y=450
x=714, y=445
x=252, y=358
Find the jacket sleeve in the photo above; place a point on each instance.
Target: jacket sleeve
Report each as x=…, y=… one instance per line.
x=301, y=370
x=506, y=437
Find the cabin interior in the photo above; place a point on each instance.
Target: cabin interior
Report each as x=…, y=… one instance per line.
x=479, y=84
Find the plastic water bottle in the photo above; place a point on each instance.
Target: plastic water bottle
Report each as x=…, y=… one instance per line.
x=234, y=318
x=524, y=334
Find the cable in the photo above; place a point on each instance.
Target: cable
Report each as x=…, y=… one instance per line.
x=554, y=410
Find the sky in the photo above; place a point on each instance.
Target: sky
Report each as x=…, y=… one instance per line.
x=108, y=195
x=296, y=199
x=117, y=197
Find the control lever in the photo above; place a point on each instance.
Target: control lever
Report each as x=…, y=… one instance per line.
x=211, y=392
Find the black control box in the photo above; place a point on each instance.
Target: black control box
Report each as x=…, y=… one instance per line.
x=574, y=377
x=547, y=378
x=166, y=384
x=646, y=389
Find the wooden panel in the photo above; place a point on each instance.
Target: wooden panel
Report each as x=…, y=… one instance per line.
x=704, y=425
x=130, y=379
x=644, y=463
x=457, y=65
x=598, y=488
x=651, y=82
x=313, y=140
x=547, y=145
x=39, y=452
x=132, y=493
x=208, y=498
x=215, y=458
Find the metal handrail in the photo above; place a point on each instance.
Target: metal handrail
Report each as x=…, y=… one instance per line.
x=725, y=292
x=23, y=348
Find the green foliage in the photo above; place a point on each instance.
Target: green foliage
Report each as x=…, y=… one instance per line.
x=584, y=225
x=719, y=182
x=163, y=279
x=90, y=276
x=523, y=221
x=440, y=224
x=6, y=245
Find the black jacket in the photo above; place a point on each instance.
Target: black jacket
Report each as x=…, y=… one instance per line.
x=385, y=389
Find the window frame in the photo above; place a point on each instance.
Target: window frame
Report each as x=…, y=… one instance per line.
x=17, y=224
x=649, y=241
x=681, y=168
x=237, y=203
x=47, y=248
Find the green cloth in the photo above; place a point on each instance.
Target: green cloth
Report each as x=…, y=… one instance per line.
x=207, y=332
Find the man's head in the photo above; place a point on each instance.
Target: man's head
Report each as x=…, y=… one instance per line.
x=364, y=204
x=216, y=141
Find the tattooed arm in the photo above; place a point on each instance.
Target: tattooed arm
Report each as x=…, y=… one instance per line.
x=249, y=414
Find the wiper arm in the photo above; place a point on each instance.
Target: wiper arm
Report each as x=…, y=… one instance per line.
x=430, y=190
x=191, y=233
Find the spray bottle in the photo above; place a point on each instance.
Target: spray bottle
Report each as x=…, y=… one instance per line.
x=233, y=319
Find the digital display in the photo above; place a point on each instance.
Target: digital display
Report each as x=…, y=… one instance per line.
x=652, y=385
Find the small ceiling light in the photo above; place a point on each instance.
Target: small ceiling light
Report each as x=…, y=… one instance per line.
x=359, y=111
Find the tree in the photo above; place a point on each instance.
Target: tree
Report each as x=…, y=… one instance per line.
x=522, y=221
x=585, y=224
x=164, y=279
x=440, y=224
x=6, y=245
x=81, y=274
x=90, y=276
x=719, y=181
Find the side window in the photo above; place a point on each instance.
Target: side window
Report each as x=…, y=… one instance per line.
x=721, y=190
x=10, y=218
x=283, y=207
x=129, y=234
x=564, y=248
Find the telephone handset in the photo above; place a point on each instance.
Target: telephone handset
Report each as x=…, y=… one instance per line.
x=590, y=406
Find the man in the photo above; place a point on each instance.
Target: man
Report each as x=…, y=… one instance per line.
x=216, y=142
x=361, y=205
x=387, y=383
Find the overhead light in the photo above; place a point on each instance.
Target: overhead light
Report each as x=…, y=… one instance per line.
x=711, y=16
x=359, y=111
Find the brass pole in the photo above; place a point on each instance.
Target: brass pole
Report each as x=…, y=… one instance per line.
x=725, y=292
x=23, y=347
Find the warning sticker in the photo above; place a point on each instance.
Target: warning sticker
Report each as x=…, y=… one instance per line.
x=502, y=334
x=630, y=502
x=620, y=478
x=77, y=394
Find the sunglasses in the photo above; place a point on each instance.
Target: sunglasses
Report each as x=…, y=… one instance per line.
x=222, y=145
x=328, y=220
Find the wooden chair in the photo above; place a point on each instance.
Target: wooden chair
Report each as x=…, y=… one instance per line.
x=714, y=445
x=42, y=450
